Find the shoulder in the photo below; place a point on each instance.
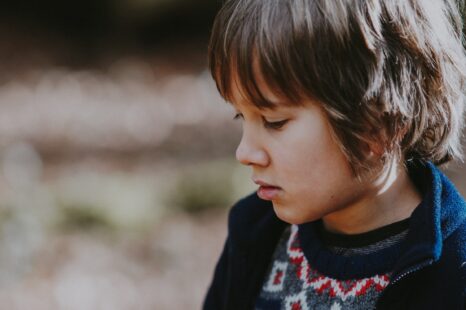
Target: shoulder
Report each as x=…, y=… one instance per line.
x=441, y=225
x=452, y=220
x=448, y=275
x=454, y=253
x=251, y=220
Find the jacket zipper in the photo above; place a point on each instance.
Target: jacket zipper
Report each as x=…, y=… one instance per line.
x=407, y=272
x=411, y=270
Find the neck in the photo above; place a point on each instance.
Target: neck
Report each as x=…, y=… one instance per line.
x=392, y=198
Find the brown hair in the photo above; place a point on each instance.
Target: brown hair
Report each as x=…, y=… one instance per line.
x=390, y=72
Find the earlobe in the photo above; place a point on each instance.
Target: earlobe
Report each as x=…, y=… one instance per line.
x=375, y=149
x=376, y=144
x=372, y=149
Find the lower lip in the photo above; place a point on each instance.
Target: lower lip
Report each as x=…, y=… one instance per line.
x=268, y=192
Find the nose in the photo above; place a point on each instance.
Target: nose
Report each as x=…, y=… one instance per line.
x=250, y=153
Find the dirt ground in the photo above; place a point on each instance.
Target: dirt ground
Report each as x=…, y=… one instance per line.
x=169, y=269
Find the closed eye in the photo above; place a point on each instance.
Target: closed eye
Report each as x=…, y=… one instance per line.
x=275, y=125
x=267, y=124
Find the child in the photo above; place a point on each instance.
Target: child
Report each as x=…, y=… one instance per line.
x=347, y=107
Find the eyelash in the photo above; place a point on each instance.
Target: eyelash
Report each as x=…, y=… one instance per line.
x=275, y=125
x=238, y=116
x=270, y=125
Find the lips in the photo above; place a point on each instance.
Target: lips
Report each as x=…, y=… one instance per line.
x=267, y=191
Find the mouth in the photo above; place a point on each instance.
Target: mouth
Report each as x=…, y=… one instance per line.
x=267, y=191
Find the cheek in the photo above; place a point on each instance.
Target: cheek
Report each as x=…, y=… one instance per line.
x=311, y=140
x=307, y=157
x=314, y=166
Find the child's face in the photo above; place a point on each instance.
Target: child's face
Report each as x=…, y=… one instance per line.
x=295, y=160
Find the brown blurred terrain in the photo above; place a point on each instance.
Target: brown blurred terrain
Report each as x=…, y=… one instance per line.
x=107, y=182
x=116, y=156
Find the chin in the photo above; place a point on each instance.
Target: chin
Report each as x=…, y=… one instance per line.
x=292, y=216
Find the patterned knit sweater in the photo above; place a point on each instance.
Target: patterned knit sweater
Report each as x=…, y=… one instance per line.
x=293, y=282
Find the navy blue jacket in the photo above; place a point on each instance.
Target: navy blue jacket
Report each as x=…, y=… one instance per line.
x=430, y=274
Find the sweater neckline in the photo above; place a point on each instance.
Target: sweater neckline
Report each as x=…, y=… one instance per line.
x=345, y=267
x=362, y=239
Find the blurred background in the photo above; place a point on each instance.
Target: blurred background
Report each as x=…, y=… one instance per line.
x=116, y=155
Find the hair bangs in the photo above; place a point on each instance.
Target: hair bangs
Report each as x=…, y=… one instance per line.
x=241, y=59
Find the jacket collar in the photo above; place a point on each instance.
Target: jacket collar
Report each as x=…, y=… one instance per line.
x=441, y=212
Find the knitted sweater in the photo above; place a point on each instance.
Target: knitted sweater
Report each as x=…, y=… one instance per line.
x=429, y=271
x=292, y=283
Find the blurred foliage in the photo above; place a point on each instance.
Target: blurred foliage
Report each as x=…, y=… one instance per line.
x=82, y=217
x=93, y=33
x=83, y=19
x=204, y=187
x=6, y=213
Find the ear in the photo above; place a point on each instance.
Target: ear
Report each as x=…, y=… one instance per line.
x=376, y=148
x=377, y=143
